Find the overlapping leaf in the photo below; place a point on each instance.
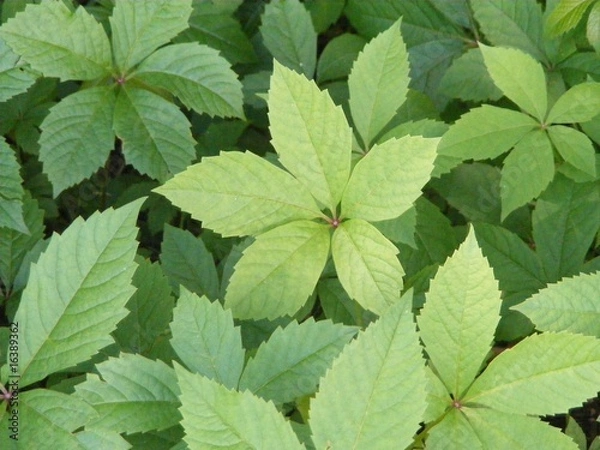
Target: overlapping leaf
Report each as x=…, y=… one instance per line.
x=11, y=191
x=579, y=104
x=14, y=77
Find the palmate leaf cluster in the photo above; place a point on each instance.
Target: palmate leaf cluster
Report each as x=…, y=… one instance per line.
x=343, y=224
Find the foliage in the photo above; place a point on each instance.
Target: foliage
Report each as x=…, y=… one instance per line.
x=286, y=224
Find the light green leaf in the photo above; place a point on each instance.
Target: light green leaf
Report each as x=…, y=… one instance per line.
x=76, y=293
x=524, y=379
x=310, y=134
x=374, y=394
x=139, y=28
x=156, y=135
x=579, y=104
x=527, y=171
x=570, y=305
x=453, y=431
x=367, y=265
x=50, y=416
x=278, y=272
x=290, y=364
x=11, y=191
x=206, y=339
x=335, y=62
x=485, y=132
x=215, y=417
x=77, y=136
x=512, y=24
x=288, y=33
x=135, y=394
x=58, y=42
x=239, y=193
x=565, y=221
x=520, y=77
x=593, y=27
x=566, y=15
x=100, y=439
x=385, y=183
x=14, y=77
x=575, y=147
x=197, y=75
x=378, y=83
x=460, y=315
x=186, y=261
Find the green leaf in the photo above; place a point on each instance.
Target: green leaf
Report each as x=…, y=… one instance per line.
x=310, y=134
x=278, y=272
x=215, y=417
x=520, y=77
x=156, y=136
x=14, y=77
x=134, y=394
x=206, y=339
x=324, y=13
x=524, y=379
x=401, y=229
x=290, y=364
x=367, y=265
x=460, y=315
x=288, y=33
x=385, y=183
x=374, y=394
x=51, y=416
x=197, y=75
x=579, y=104
x=485, y=132
x=11, y=191
x=570, y=305
x=335, y=62
x=186, y=261
x=512, y=24
x=575, y=147
x=94, y=439
x=139, y=28
x=527, y=171
x=77, y=136
x=566, y=15
x=239, y=193
x=44, y=36
x=339, y=307
x=378, y=83
x=76, y=293
x=593, y=27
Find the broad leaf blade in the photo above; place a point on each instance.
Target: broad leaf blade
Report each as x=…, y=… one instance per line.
x=11, y=191
x=278, y=272
x=197, y=75
x=524, y=379
x=215, y=417
x=566, y=15
x=579, y=104
x=310, y=134
x=367, y=265
x=385, y=183
x=206, y=339
x=156, y=135
x=575, y=148
x=374, y=394
x=77, y=293
x=14, y=78
x=460, y=315
x=290, y=364
x=139, y=28
x=45, y=36
x=239, y=193
x=570, y=305
x=378, y=83
x=135, y=394
x=519, y=77
x=77, y=136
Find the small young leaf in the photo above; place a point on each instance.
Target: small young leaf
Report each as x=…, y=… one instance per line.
x=520, y=77
x=575, y=147
x=206, y=339
x=378, y=83
x=278, y=271
x=367, y=265
x=460, y=316
x=45, y=36
x=77, y=136
x=310, y=134
x=215, y=417
x=290, y=364
x=288, y=33
x=385, y=183
x=239, y=193
x=374, y=394
x=197, y=75
x=14, y=78
x=139, y=28
x=579, y=104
